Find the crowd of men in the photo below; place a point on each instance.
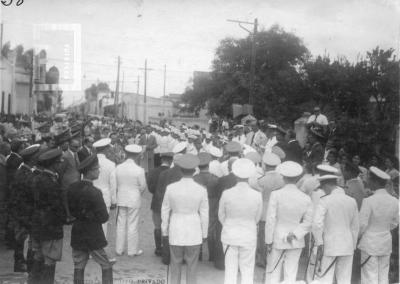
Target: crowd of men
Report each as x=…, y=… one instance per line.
x=250, y=193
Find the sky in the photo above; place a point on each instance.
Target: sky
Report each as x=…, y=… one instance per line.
x=84, y=38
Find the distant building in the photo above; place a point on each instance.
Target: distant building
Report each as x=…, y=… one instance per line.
x=15, y=87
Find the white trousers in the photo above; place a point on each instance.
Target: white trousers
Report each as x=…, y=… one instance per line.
x=341, y=269
x=239, y=258
x=375, y=270
x=127, y=228
x=286, y=259
x=105, y=225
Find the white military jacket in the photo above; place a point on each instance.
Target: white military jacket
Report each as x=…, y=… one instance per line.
x=131, y=183
x=336, y=223
x=289, y=211
x=106, y=181
x=184, y=213
x=239, y=212
x=379, y=215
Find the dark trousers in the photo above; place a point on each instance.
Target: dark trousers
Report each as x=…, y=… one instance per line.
x=261, y=254
x=219, y=257
x=191, y=256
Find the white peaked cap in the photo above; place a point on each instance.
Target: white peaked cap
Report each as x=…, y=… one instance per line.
x=327, y=177
x=179, y=147
x=271, y=159
x=379, y=173
x=214, y=151
x=243, y=168
x=289, y=169
x=102, y=143
x=133, y=148
x=328, y=169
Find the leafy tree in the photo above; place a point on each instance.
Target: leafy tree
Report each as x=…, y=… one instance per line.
x=92, y=92
x=278, y=82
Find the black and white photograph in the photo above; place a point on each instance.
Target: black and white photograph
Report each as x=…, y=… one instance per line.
x=199, y=142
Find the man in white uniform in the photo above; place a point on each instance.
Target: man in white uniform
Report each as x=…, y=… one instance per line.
x=289, y=218
x=106, y=181
x=131, y=183
x=239, y=212
x=378, y=216
x=335, y=229
x=184, y=215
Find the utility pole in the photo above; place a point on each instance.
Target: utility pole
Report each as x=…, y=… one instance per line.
x=165, y=78
x=122, y=84
x=137, y=85
x=31, y=81
x=145, y=90
x=117, y=89
x=253, y=54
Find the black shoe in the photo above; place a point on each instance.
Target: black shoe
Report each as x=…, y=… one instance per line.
x=107, y=276
x=158, y=252
x=79, y=276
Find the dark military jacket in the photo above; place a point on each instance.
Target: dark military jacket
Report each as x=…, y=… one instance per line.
x=12, y=163
x=167, y=177
x=21, y=200
x=49, y=214
x=152, y=181
x=86, y=204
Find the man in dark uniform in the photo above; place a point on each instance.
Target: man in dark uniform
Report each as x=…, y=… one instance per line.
x=167, y=177
x=316, y=155
x=224, y=183
x=293, y=150
x=21, y=206
x=210, y=182
x=13, y=161
x=152, y=180
x=87, y=237
x=48, y=219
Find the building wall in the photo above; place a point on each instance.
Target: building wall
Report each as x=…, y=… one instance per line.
x=133, y=107
x=6, y=84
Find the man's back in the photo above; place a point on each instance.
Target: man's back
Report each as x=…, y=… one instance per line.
x=336, y=223
x=106, y=181
x=131, y=183
x=289, y=210
x=378, y=216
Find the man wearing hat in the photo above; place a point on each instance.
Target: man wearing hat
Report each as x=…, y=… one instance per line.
x=21, y=206
x=166, y=178
x=48, y=218
x=87, y=148
x=335, y=229
x=106, y=181
x=317, y=119
x=70, y=162
x=149, y=143
x=239, y=211
x=233, y=149
x=184, y=216
x=87, y=236
x=215, y=167
x=316, y=155
x=152, y=180
x=378, y=216
x=270, y=181
x=210, y=182
x=224, y=183
x=288, y=220
x=131, y=183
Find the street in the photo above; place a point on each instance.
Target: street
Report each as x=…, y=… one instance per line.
x=146, y=268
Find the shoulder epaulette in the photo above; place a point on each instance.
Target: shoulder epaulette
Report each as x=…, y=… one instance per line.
x=50, y=173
